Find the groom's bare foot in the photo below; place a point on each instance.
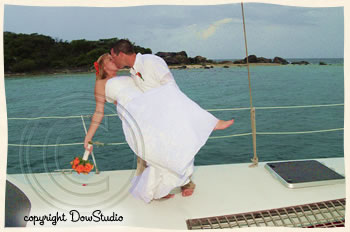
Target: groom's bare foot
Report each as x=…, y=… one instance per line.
x=221, y=125
x=188, y=189
x=187, y=192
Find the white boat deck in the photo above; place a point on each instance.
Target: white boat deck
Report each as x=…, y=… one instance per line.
x=220, y=190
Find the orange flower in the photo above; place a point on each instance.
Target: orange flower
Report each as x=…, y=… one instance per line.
x=76, y=161
x=87, y=169
x=81, y=166
x=88, y=165
x=79, y=169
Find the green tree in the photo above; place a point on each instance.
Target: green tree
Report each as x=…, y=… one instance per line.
x=24, y=65
x=34, y=52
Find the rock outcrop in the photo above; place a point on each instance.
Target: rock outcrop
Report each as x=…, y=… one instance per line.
x=181, y=58
x=200, y=60
x=279, y=60
x=255, y=59
x=174, y=57
x=301, y=62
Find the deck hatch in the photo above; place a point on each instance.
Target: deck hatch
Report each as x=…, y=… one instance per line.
x=306, y=173
x=316, y=215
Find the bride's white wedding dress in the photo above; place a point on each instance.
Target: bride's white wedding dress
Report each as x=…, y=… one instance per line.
x=163, y=127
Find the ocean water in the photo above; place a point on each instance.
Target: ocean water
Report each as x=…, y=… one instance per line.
x=216, y=88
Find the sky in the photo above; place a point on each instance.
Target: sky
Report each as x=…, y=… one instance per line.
x=215, y=32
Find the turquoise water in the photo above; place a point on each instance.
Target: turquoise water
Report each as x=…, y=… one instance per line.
x=65, y=95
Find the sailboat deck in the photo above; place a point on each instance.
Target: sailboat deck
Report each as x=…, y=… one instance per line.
x=220, y=190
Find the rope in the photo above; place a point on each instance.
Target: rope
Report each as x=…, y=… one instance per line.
x=59, y=117
x=92, y=153
x=246, y=51
x=252, y=110
x=47, y=117
x=45, y=145
x=294, y=107
x=298, y=132
x=229, y=136
x=210, y=110
x=212, y=137
x=228, y=109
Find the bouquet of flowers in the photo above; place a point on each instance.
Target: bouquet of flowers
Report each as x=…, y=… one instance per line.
x=82, y=164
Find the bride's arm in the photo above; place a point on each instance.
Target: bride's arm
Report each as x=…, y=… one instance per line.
x=99, y=111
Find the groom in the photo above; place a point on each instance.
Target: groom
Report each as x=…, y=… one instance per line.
x=148, y=71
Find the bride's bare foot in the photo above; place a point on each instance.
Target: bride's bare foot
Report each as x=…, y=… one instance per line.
x=221, y=125
x=168, y=196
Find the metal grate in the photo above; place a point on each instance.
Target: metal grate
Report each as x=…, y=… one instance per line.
x=320, y=215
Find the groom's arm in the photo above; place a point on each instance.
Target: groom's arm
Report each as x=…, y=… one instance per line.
x=161, y=71
x=167, y=78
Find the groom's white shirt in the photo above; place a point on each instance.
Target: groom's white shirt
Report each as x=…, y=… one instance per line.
x=154, y=71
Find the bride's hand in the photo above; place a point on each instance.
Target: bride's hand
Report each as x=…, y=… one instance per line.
x=86, y=143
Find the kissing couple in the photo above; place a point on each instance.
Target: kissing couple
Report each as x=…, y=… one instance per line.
x=162, y=126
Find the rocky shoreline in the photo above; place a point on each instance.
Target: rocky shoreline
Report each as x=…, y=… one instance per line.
x=180, y=60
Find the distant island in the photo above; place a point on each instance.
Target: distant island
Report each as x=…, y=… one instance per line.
x=36, y=54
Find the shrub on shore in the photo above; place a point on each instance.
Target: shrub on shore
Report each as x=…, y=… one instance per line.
x=36, y=53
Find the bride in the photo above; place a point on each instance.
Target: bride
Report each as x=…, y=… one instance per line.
x=163, y=127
